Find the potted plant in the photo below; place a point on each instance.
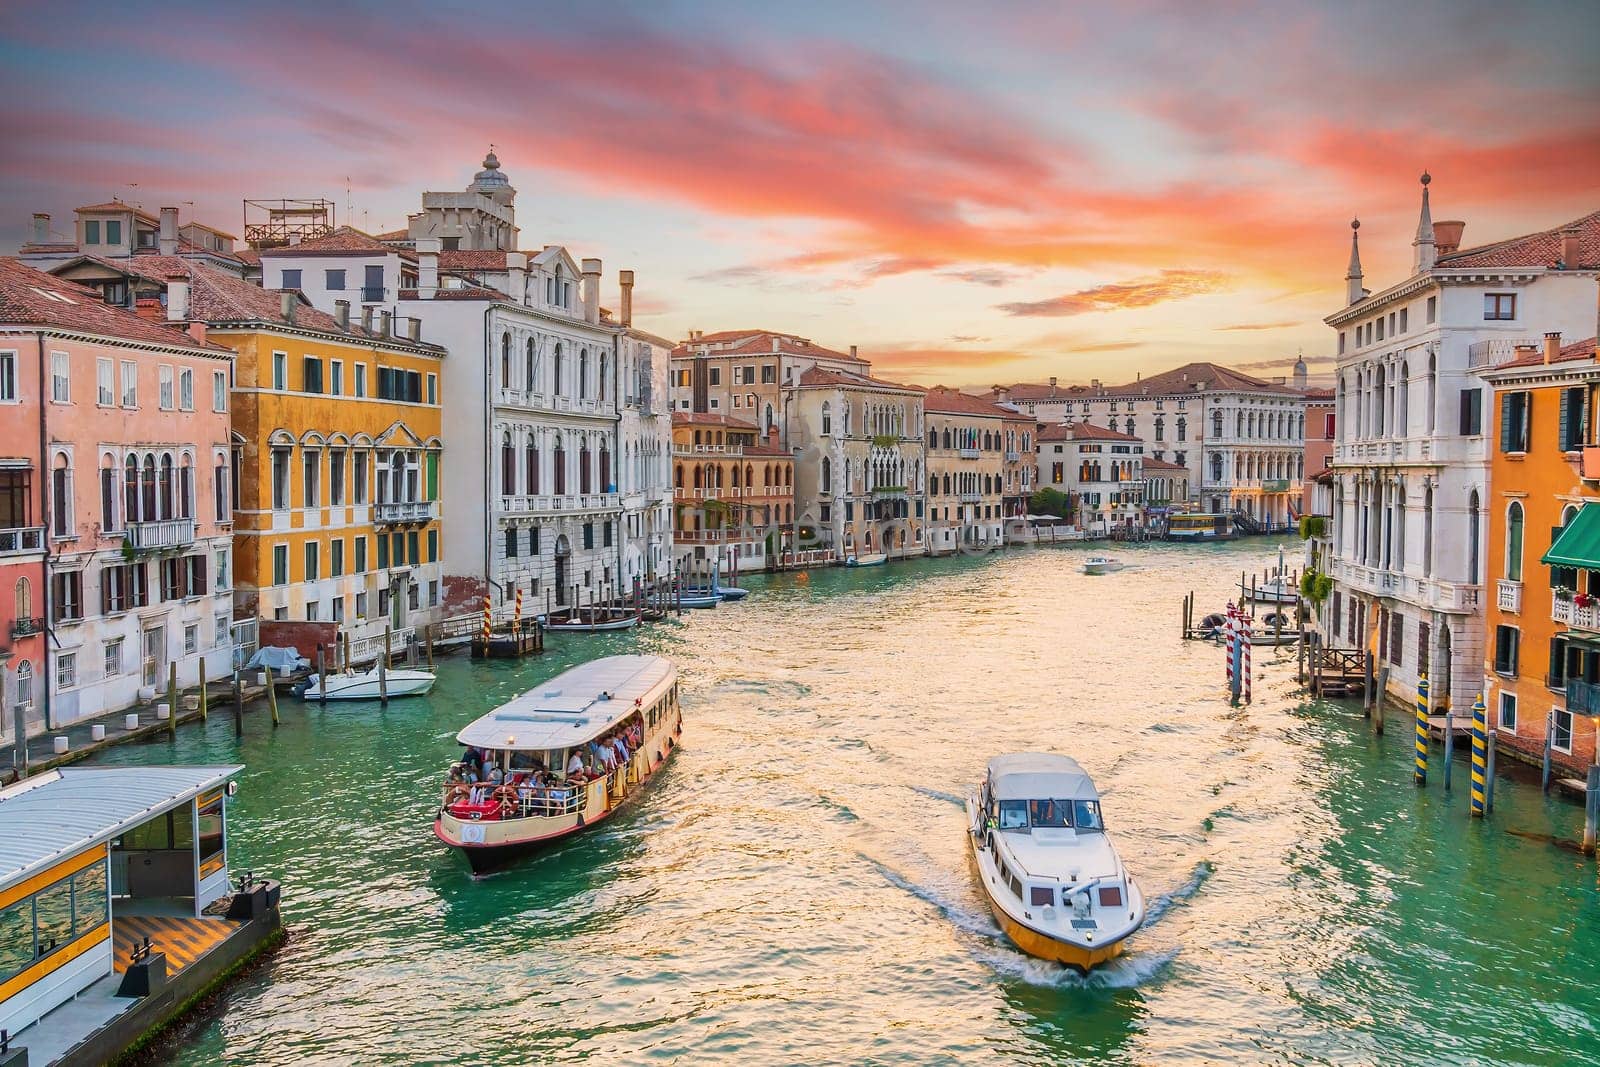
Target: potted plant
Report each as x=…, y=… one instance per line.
x=1582, y=600
x=1562, y=593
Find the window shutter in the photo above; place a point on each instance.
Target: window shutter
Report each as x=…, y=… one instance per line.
x=1564, y=427
x=1505, y=420
x=1558, y=649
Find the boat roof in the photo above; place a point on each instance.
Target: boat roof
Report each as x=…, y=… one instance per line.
x=1039, y=776
x=59, y=813
x=571, y=708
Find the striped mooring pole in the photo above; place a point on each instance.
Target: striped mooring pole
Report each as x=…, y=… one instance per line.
x=1227, y=644
x=1244, y=655
x=1422, y=730
x=519, y=605
x=487, y=609
x=1480, y=757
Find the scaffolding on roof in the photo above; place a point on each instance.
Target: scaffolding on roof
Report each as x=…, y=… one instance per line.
x=275, y=223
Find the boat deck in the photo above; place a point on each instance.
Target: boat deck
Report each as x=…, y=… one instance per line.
x=183, y=938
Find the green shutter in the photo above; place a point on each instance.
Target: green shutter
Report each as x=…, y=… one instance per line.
x=1505, y=421
x=1564, y=426
x=433, y=476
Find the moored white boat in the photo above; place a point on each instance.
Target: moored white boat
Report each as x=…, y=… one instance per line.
x=593, y=625
x=366, y=685
x=1045, y=864
x=1101, y=565
x=691, y=599
x=546, y=765
x=1272, y=591
x=866, y=559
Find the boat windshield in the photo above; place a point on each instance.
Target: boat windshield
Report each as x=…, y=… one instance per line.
x=1013, y=815
x=1086, y=815
x=1081, y=815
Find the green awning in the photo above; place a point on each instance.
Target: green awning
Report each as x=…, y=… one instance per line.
x=1579, y=543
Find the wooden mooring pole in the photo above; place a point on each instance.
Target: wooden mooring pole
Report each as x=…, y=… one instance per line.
x=1591, y=809
x=203, y=704
x=238, y=704
x=172, y=699
x=322, y=678
x=272, y=694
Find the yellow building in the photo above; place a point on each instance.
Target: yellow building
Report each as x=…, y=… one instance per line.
x=336, y=429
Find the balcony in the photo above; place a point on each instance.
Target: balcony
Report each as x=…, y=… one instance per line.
x=23, y=539
x=160, y=534
x=1567, y=610
x=1583, y=698
x=26, y=627
x=392, y=512
x=1482, y=355
x=372, y=294
x=1508, y=596
x=1013, y=457
x=889, y=492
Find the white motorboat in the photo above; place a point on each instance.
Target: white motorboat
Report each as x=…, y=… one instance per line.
x=1273, y=591
x=365, y=685
x=600, y=623
x=1045, y=863
x=690, y=598
x=1101, y=565
x=866, y=559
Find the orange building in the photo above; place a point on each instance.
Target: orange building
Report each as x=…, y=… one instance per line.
x=734, y=494
x=1542, y=654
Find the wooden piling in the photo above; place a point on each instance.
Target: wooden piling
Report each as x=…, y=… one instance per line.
x=272, y=695
x=1366, y=684
x=238, y=704
x=388, y=637
x=1449, y=746
x=1488, y=777
x=322, y=678
x=203, y=703
x=427, y=635
x=1377, y=704
x=1549, y=729
x=383, y=681
x=1591, y=809
x=172, y=699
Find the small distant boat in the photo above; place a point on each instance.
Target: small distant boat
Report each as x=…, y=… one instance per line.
x=717, y=589
x=400, y=682
x=1101, y=565
x=1045, y=863
x=1272, y=591
x=869, y=559
x=692, y=599
x=602, y=624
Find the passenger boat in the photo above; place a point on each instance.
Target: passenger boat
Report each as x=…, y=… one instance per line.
x=365, y=685
x=1045, y=863
x=1199, y=526
x=1101, y=565
x=529, y=743
x=869, y=559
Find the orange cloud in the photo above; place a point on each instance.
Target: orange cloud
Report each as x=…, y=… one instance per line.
x=1116, y=296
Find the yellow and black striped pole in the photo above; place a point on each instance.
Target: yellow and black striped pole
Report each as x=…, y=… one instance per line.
x=1480, y=756
x=1422, y=729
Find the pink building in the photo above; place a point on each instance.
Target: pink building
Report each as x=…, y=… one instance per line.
x=1319, y=442
x=22, y=574
x=131, y=431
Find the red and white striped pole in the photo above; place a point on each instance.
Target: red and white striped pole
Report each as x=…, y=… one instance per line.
x=1227, y=644
x=1244, y=652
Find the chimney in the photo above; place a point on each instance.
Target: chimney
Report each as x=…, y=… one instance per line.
x=1447, y=236
x=286, y=306
x=1094, y=383
x=383, y=324
x=366, y=318
x=1552, y=346
x=1053, y=385
x=341, y=314
x=427, y=266
x=591, y=290
x=169, y=231
x=41, y=228
x=853, y=353
x=177, y=297
x=775, y=344
x=1569, y=248
x=197, y=330
x=415, y=331
x=517, y=272
x=625, y=283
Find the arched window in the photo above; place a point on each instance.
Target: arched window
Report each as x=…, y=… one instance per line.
x=505, y=360
x=1127, y=427
x=508, y=465
x=1161, y=428
x=1514, y=541
x=827, y=421
x=827, y=465
x=531, y=368
x=108, y=492
x=130, y=490
x=560, y=467
x=605, y=468
x=583, y=373
x=25, y=684
x=530, y=475
x=148, y=489
x=556, y=367
x=1474, y=522
x=1216, y=467
x=600, y=390
x=1433, y=380
x=1216, y=424
x=185, y=509
x=585, y=469
x=24, y=599
x=1183, y=428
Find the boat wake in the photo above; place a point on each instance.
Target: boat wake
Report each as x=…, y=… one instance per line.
x=1158, y=907
x=962, y=914
x=948, y=798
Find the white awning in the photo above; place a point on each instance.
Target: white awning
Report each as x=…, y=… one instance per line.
x=54, y=815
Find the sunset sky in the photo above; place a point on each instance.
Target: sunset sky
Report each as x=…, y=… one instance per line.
x=972, y=193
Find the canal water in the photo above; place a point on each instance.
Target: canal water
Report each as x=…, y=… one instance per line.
x=795, y=888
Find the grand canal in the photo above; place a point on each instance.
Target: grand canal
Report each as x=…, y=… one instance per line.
x=795, y=888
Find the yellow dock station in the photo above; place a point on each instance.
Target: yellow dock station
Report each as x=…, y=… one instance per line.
x=116, y=906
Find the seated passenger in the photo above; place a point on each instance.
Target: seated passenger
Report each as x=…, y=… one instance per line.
x=575, y=764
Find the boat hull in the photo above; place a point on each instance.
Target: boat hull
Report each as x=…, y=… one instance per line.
x=397, y=684
x=626, y=623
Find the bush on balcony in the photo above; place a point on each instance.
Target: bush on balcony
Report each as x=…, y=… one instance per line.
x=1313, y=526
x=885, y=440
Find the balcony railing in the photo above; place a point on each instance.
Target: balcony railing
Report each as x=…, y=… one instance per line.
x=22, y=539
x=1567, y=611
x=372, y=294
x=1481, y=355
x=968, y=453
x=1012, y=457
x=1508, y=596
x=160, y=533
x=386, y=512
x=26, y=627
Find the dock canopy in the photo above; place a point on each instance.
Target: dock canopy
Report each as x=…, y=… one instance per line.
x=1039, y=775
x=1578, y=544
x=62, y=812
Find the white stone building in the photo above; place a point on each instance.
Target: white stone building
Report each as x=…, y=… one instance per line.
x=1100, y=468
x=1411, y=460
x=644, y=474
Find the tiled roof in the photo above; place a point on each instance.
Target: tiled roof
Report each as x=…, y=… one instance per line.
x=759, y=342
x=1084, y=431
x=216, y=297
x=1152, y=464
x=1184, y=379
x=248, y=255
x=401, y=234
x=1575, y=351
x=1541, y=249
x=118, y=205
x=1318, y=394
x=465, y=292
x=33, y=298
x=343, y=241
x=1031, y=391
x=943, y=401
x=708, y=418
x=475, y=259
x=817, y=377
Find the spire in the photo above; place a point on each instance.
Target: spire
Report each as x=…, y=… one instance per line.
x=1424, y=253
x=1352, y=277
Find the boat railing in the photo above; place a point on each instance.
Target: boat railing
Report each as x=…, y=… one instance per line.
x=491, y=801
